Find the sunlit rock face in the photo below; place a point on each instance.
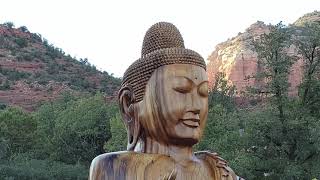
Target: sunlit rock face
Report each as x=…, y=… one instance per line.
x=237, y=59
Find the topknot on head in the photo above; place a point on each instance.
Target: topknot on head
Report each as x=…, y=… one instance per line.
x=162, y=45
x=160, y=36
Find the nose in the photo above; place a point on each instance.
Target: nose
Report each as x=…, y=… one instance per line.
x=194, y=111
x=195, y=103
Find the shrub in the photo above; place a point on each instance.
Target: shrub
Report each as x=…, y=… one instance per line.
x=14, y=75
x=25, y=168
x=21, y=42
x=24, y=57
x=23, y=29
x=17, y=129
x=8, y=25
x=5, y=86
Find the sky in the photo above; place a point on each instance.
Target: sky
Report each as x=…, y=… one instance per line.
x=110, y=32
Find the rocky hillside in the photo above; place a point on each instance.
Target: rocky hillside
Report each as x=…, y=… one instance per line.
x=237, y=59
x=33, y=71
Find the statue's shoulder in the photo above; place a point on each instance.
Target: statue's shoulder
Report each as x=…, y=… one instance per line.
x=120, y=164
x=121, y=156
x=110, y=157
x=102, y=166
x=217, y=163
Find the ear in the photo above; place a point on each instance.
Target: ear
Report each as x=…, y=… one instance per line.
x=127, y=109
x=126, y=100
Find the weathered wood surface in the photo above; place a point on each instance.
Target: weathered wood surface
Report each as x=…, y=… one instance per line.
x=142, y=166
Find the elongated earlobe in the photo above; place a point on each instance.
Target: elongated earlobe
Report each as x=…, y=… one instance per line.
x=127, y=109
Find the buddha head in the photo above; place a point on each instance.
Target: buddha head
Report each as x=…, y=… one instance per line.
x=164, y=94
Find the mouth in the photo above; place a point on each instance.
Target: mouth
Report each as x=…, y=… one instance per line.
x=193, y=123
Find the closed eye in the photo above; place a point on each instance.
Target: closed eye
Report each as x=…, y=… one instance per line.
x=203, y=89
x=181, y=84
x=182, y=89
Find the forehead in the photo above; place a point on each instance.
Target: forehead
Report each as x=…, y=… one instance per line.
x=192, y=72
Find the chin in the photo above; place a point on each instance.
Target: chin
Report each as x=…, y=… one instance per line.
x=183, y=135
x=185, y=139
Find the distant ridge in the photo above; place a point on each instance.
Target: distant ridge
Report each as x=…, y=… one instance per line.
x=33, y=71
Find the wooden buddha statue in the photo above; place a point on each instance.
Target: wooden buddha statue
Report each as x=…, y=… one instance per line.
x=164, y=104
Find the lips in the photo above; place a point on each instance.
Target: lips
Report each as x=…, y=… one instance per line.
x=193, y=123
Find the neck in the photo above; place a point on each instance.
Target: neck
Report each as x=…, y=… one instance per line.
x=178, y=152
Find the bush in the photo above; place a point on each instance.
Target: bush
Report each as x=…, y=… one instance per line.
x=23, y=29
x=75, y=130
x=36, y=37
x=5, y=86
x=8, y=25
x=17, y=130
x=13, y=74
x=24, y=57
x=21, y=42
x=25, y=168
x=118, y=140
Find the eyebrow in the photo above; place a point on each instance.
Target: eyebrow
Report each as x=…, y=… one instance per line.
x=191, y=81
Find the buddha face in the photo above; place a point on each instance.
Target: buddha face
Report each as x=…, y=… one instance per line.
x=174, y=109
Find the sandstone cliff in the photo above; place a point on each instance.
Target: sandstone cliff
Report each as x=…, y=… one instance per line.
x=238, y=60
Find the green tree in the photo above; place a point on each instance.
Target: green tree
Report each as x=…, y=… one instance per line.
x=24, y=29
x=222, y=93
x=9, y=25
x=16, y=131
x=56, y=142
x=224, y=129
x=118, y=140
x=21, y=42
x=25, y=168
x=272, y=55
x=308, y=44
x=280, y=139
x=81, y=130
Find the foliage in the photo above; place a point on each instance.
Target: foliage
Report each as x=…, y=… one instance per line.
x=279, y=139
x=55, y=64
x=118, y=140
x=16, y=131
x=222, y=93
x=308, y=44
x=306, y=18
x=9, y=25
x=13, y=74
x=24, y=168
x=24, y=57
x=77, y=130
x=56, y=142
x=281, y=151
x=5, y=85
x=276, y=64
x=23, y=29
x=21, y=42
x=89, y=122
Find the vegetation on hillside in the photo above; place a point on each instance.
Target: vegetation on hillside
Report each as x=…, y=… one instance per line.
x=30, y=58
x=309, y=17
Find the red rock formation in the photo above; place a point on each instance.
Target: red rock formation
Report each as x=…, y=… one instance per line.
x=22, y=66
x=238, y=61
x=33, y=71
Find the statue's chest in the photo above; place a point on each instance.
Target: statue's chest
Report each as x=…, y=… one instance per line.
x=164, y=169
